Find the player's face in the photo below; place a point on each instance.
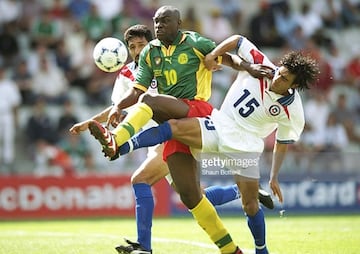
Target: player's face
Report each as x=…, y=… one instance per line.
x=282, y=81
x=166, y=25
x=135, y=45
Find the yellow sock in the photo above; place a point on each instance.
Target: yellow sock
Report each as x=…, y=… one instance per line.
x=208, y=219
x=132, y=123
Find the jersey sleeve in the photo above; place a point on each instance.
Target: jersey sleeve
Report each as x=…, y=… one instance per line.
x=248, y=51
x=289, y=130
x=145, y=73
x=202, y=44
x=124, y=81
x=205, y=45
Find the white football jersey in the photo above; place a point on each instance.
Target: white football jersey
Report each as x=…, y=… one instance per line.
x=250, y=106
x=125, y=80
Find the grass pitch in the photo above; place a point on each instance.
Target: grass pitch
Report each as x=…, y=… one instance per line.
x=289, y=234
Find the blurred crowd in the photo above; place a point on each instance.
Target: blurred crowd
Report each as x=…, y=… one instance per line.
x=48, y=80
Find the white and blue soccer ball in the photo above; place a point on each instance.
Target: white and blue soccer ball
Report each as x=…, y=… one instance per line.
x=110, y=54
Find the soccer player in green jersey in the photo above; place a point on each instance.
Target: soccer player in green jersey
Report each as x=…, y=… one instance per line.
x=175, y=60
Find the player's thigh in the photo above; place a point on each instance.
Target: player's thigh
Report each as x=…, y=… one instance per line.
x=165, y=107
x=152, y=169
x=187, y=131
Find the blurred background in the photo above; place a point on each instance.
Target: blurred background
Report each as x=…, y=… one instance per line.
x=48, y=80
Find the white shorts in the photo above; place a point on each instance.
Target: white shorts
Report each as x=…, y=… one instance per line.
x=229, y=147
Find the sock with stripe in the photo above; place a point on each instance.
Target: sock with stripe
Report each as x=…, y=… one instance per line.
x=206, y=216
x=132, y=123
x=256, y=224
x=146, y=138
x=144, y=213
x=219, y=195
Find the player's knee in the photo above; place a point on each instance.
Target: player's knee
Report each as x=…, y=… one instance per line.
x=251, y=207
x=148, y=99
x=135, y=179
x=174, y=125
x=139, y=178
x=190, y=194
x=190, y=200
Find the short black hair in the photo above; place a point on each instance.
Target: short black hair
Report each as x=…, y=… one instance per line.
x=137, y=31
x=303, y=67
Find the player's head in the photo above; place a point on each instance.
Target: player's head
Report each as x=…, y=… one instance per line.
x=166, y=24
x=296, y=71
x=136, y=37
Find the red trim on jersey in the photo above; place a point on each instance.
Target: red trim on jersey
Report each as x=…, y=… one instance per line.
x=286, y=111
x=262, y=88
x=125, y=71
x=257, y=56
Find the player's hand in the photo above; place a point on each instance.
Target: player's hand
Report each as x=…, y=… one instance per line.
x=211, y=63
x=115, y=117
x=275, y=187
x=119, y=119
x=79, y=127
x=260, y=71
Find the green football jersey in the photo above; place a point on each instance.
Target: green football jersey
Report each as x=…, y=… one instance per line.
x=179, y=69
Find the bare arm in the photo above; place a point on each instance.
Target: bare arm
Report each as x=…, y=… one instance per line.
x=102, y=116
x=212, y=60
x=113, y=111
x=255, y=70
x=279, y=154
x=226, y=45
x=83, y=126
x=220, y=55
x=129, y=99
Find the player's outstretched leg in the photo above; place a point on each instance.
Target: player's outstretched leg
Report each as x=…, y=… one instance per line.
x=133, y=122
x=147, y=138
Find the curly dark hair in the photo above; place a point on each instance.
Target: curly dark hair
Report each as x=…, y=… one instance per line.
x=303, y=67
x=137, y=31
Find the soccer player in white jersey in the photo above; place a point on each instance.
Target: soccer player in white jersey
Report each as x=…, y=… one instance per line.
x=153, y=167
x=252, y=110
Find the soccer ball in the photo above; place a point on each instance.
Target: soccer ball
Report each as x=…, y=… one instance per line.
x=110, y=54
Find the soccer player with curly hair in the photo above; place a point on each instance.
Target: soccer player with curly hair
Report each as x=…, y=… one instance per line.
x=252, y=110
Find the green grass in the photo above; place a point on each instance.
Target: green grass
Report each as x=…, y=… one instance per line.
x=290, y=235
